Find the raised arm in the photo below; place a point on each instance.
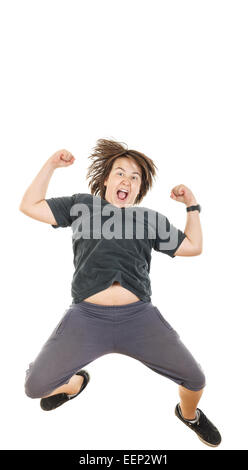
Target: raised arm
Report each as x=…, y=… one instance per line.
x=33, y=203
x=192, y=244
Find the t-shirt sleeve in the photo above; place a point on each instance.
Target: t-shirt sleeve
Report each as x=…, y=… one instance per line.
x=168, y=237
x=61, y=207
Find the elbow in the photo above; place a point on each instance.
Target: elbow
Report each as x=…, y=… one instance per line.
x=21, y=208
x=21, y=205
x=198, y=251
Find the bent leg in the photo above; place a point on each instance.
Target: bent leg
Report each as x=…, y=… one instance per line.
x=150, y=339
x=76, y=341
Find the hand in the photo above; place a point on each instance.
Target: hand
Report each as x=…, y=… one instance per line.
x=62, y=158
x=183, y=194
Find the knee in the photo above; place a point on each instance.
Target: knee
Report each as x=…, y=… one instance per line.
x=30, y=392
x=197, y=380
x=30, y=385
x=32, y=388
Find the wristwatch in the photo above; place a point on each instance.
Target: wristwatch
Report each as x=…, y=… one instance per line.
x=194, y=208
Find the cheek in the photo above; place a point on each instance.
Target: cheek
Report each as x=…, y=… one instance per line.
x=110, y=184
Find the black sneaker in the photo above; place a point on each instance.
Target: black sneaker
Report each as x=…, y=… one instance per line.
x=203, y=427
x=52, y=402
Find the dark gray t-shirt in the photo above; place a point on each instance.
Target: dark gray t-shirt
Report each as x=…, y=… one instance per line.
x=113, y=244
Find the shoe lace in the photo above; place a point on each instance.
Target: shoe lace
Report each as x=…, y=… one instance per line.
x=203, y=420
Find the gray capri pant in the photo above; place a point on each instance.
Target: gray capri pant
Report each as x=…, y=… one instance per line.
x=88, y=331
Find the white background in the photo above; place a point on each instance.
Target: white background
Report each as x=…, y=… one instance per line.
x=168, y=78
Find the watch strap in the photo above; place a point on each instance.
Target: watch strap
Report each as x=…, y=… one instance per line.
x=194, y=208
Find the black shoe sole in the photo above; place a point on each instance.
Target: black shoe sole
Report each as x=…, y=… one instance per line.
x=54, y=401
x=192, y=429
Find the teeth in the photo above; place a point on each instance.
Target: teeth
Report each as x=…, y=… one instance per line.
x=125, y=191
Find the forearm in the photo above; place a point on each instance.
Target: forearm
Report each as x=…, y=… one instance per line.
x=38, y=188
x=193, y=229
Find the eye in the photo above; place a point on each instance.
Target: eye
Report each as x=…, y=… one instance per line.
x=121, y=173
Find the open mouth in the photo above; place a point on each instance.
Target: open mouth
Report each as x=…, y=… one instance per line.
x=122, y=194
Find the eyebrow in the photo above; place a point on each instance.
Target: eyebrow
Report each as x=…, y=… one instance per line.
x=119, y=168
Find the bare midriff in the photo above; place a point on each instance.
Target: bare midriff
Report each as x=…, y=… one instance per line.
x=113, y=295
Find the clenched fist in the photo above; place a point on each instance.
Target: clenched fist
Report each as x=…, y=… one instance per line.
x=183, y=194
x=62, y=158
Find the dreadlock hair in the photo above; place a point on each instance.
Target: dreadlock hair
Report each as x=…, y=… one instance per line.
x=103, y=156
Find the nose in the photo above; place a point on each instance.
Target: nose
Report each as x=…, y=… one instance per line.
x=125, y=182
